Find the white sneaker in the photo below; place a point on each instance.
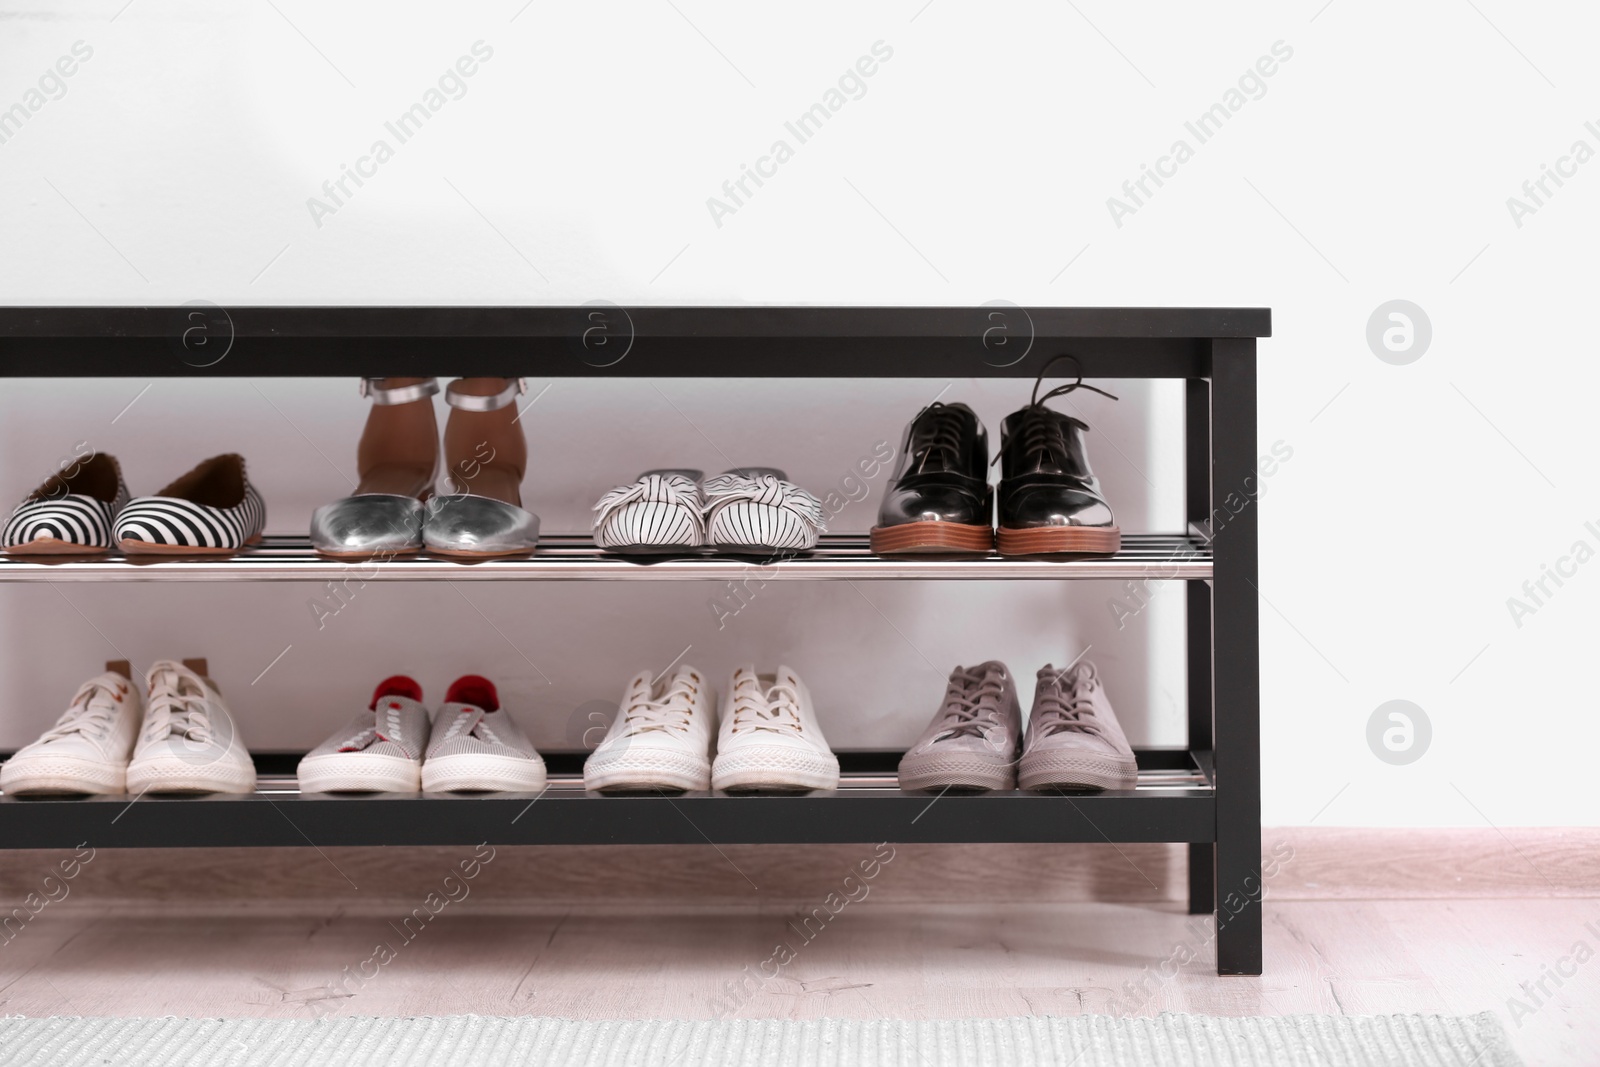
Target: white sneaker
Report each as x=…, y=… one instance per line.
x=1074, y=740
x=758, y=510
x=769, y=738
x=189, y=743
x=477, y=745
x=661, y=737
x=380, y=751
x=661, y=512
x=87, y=750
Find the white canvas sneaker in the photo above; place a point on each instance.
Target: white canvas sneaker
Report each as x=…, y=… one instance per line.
x=87, y=750
x=973, y=738
x=379, y=751
x=189, y=742
x=476, y=745
x=769, y=737
x=660, y=512
x=1074, y=740
x=661, y=737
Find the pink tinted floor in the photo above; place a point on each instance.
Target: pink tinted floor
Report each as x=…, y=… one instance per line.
x=872, y=959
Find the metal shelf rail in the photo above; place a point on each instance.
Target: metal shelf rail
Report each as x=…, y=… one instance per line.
x=1172, y=802
x=1206, y=794
x=565, y=557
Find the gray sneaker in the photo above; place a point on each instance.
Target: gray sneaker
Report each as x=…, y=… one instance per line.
x=972, y=741
x=1073, y=739
x=477, y=746
x=378, y=751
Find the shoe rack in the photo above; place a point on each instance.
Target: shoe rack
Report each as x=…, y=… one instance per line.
x=1205, y=794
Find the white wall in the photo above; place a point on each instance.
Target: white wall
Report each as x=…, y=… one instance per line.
x=1375, y=165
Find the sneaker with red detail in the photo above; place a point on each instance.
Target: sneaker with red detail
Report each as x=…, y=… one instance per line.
x=379, y=751
x=477, y=746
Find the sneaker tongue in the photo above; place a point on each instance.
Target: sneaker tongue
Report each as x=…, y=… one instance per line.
x=180, y=691
x=1067, y=676
x=380, y=710
x=396, y=685
x=473, y=689
x=186, y=729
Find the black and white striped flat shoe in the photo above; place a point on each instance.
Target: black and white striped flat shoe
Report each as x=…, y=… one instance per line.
x=661, y=512
x=757, y=510
x=212, y=510
x=72, y=514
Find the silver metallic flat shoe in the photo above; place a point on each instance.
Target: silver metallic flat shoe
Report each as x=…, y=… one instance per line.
x=478, y=526
x=485, y=450
x=370, y=524
x=373, y=524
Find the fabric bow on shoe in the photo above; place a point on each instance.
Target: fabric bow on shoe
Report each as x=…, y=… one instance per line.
x=766, y=489
x=672, y=490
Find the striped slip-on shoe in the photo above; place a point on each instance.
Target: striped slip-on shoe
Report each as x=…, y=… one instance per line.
x=73, y=513
x=212, y=510
x=757, y=510
x=661, y=512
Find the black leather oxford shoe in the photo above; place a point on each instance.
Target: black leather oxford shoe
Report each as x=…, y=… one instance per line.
x=1050, y=501
x=940, y=500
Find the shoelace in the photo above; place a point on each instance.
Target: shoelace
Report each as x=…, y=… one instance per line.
x=725, y=489
x=971, y=703
x=672, y=712
x=177, y=706
x=1040, y=428
x=675, y=489
x=936, y=431
x=385, y=727
x=471, y=722
x=775, y=711
x=92, y=713
x=1066, y=702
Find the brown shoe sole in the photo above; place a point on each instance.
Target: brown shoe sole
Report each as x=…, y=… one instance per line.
x=932, y=538
x=467, y=554
x=49, y=546
x=359, y=557
x=1059, y=540
x=150, y=548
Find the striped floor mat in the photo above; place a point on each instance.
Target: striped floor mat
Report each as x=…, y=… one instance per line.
x=459, y=1041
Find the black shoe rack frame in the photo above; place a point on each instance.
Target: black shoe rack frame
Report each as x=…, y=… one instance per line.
x=1205, y=794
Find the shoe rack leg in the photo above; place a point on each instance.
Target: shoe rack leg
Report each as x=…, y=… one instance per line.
x=1236, y=656
x=1197, y=597
x=1202, y=877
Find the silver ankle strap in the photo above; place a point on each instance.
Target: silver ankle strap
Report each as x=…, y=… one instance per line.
x=472, y=402
x=400, y=394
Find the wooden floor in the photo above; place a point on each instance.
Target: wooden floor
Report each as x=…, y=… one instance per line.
x=1356, y=957
x=1358, y=922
